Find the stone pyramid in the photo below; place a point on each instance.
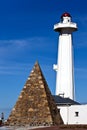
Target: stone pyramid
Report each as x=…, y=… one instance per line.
x=35, y=105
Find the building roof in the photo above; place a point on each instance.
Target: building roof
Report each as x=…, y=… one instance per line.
x=64, y=101
x=35, y=105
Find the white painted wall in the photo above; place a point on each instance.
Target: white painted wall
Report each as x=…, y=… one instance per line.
x=68, y=114
x=63, y=113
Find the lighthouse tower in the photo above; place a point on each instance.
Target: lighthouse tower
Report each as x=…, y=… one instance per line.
x=64, y=67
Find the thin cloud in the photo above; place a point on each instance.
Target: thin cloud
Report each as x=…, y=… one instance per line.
x=15, y=43
x=21, y=43
x=14, y=69
x=9, y=48
x=14, y=52
x=21, y=68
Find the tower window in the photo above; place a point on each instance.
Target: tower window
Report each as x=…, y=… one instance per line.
x=76, y=114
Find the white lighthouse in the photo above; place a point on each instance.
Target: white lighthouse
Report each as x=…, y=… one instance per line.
x=64, y=67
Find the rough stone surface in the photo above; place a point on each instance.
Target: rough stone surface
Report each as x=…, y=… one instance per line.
x=35, y=105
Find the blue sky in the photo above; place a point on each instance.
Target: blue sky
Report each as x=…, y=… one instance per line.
x=27, y=35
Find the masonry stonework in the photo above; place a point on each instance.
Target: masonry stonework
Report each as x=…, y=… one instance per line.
x=35, y=105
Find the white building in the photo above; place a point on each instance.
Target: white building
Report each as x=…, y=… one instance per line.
x=74, y=114
x=71, y=111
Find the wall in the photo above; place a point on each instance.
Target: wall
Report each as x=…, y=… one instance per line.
x=75, y=114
